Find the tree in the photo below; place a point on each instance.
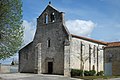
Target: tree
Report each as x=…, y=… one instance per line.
x=83, y=56
x=11, y=30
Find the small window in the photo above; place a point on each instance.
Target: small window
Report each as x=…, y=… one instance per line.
x=48, y=43
x=52, y=16
x=94, y=50
x=26, y=56
x=0, y=36
x=93, y=67
x=46, y=19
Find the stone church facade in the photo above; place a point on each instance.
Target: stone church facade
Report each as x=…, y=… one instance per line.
x=55, y=51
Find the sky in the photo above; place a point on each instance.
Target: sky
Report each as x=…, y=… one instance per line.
x=97, y=19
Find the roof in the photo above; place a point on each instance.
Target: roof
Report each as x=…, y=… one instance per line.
x=50, y=6
x=89, y=39
x=26, y=46
x=113, y=44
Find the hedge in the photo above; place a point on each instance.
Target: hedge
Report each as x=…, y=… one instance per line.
x=77, y=72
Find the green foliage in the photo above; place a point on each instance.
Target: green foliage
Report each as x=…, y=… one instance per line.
x=92, y=72
x=101, y=73
x=77, y=72
x=98, y=77
x=11, y=30
x=89, y=73
x=86, y=73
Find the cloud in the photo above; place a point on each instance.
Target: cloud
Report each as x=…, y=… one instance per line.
x=29, y=30
x=80, y=27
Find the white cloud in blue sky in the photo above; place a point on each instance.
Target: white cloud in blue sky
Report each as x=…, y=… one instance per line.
x=80, y=27
x=29, y=31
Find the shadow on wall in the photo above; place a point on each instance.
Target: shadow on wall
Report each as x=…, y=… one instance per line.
x=5, y=68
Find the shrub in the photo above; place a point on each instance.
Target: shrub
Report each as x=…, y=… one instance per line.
x=81, y=71
x=100, y=73
x=92, y=72
x=89, y=73
x=86, y=73
x=76, y=72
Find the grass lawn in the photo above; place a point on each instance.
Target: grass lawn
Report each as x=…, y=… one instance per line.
x=97, y=77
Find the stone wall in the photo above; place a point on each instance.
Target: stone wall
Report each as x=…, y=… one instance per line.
x=112, y=55
x=26, y=59
x=5, y=68
x=55, y=34
x=88, y=49
x=67, y=70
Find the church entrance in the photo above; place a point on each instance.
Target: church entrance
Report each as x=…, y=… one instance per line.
x=50, y=67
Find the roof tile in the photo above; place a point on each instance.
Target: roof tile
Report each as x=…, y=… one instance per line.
x=89, y=39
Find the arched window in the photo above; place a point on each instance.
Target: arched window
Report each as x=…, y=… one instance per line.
x=52, y=16
x=93, y=67
x=46, y=19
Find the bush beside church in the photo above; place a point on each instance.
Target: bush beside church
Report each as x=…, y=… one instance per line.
x=77, y=72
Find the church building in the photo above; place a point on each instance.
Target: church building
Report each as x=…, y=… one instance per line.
x=54, y=50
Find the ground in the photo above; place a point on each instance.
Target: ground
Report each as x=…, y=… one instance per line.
x=26, y=76
x=23, y=76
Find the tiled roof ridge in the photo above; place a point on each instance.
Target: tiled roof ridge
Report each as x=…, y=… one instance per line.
x=89, y=39
x=113, y=44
